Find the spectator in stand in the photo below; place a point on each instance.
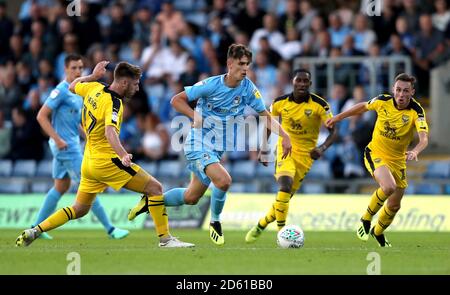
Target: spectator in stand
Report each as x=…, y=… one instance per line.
x=172, y=21
x=269, y=30
x=86, y=27
x=337, y=30
x=442, y=15
x=5, y=135
x=10, y=93
x=362, y=35
x=156, y=138
x=26, y=139
x=250, y=18
x=290, y=17
x=6, y=30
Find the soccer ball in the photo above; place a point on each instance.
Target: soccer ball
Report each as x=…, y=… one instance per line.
x=291, y=236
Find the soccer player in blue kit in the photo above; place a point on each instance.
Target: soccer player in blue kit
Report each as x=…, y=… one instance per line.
x=64, y=108
x=223, y=98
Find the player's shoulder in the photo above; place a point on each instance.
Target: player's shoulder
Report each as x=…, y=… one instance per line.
x=320, y=101
x=415, y=105
x=384, y=97
x=282, y=98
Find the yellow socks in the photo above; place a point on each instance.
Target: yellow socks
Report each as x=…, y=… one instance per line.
x=376, y=202
x=159, y=215
x=57, y=219
x=281, y=208
x=270, y=217
x=384, y=220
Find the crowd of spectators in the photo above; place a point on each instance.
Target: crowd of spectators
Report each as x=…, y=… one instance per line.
x=179, y=42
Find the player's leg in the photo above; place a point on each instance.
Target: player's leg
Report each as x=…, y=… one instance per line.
x=144, y=183
x=59, y=188
x=74, y=169
x=383, y=176
x=222, y=182
x=80, y=208
x=190, y=195
x=392, y=206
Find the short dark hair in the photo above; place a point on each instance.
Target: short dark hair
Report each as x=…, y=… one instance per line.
x=298, y=71
x=237, y=51
x=126, y=70
x=406, y=78
x=71, y=57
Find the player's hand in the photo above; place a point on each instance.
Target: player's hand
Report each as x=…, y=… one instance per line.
x=412, y=155
x=100, y=69
x=263, y=157
x=316, y=153
x=126, y=160
x=287, y=147
x=61, y=144
x=330, y=122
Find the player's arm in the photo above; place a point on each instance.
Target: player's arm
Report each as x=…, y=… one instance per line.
x=113, y=139
x=180, y=103
x=317, y=152
x=423, y=142
x=43, y=117
x=97, y=73
x=357, y=109
x=276, y=128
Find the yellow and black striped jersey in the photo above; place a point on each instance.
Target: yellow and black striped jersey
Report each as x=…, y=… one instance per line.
x=301, y=120
x=394, y=128
x=101, y=107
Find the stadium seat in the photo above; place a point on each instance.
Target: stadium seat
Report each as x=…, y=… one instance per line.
x=243, y=170
x=150, y=167
x=243, y=187
x=313, y=188
x=320, y=170
x=428, y=189
x=6, y=167
x=265, y=172
x=14, y=186
x=44, y=168
x=41, y=187
x=447, y=189
x=438, y=170
x=25, y=168
x=169, y=169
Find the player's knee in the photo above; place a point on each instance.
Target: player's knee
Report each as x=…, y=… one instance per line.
x=223, y=183
x=80, y=211
x=393, y=206
x=388, y=189
x=153, y=188
x=190, y=199
x=285, y=184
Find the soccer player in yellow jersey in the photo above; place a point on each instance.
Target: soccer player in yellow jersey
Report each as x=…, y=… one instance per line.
x=105, y=161
x=386, y=155
x=301, y=114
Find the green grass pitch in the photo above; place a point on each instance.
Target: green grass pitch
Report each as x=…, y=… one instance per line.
x=323, y=253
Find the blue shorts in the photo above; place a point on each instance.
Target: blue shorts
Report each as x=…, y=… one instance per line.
x=71, y=168
x=198, y=161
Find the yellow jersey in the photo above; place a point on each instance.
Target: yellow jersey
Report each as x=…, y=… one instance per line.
x=301, y=120
x=101, y=107
x=394, y=128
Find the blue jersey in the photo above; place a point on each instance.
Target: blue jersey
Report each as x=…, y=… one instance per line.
x=222, y=110
x=66, y=118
